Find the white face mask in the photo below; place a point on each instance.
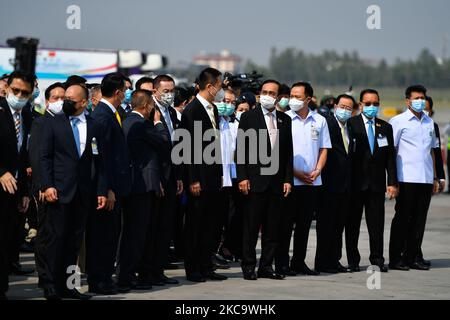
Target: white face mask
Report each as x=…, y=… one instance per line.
x=267, y=102
x=167, y=98
x=296, y=105
x=16, y=103
x=238, y=115
x=56, y=107
x=220, y=95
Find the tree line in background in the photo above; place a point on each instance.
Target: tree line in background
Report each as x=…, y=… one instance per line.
x=331, y=69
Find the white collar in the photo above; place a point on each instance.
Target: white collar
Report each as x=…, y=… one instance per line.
x=14, y=111
x=113, y=109
x=340, y=123
x=365, y=119
x=266, y=112
x=203, y=101
x=138, y=113
x=81, y=117
x=411, y=115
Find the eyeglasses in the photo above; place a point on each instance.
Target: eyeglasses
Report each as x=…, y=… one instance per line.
x=18, y=91
x=368, y=104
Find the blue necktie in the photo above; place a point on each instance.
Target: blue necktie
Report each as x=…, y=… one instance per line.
x=371, y=136
x=168, y=121
x=76, y=133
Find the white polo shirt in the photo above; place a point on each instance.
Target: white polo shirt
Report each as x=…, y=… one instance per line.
x=308, y=137
x=414, y=139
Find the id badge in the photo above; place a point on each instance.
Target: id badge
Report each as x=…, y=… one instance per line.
x=94, y=147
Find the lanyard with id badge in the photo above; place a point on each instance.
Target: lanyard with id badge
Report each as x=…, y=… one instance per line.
x=94, y=146
x=315, y=134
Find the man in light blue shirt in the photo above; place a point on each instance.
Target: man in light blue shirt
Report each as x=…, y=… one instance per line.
x=414, y=139
x=311, y=140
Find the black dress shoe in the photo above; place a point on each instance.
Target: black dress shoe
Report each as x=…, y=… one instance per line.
x=286, y=271
x=425, y=262
x=168, y=280
x=18, y=270
x=156, y=281
x=305, y=270
x=399, y=266
x=51, y=294
x=75, y=294
x=342, y=269
x=195, y=277
x=327, y=270
x=171, y=266
x=250, y=275
x=124, y=287
x=142, y=285
x=270, y=274
x=103, y=288
x=215, y=276
x=419, y=266
x=354, y=268
x=383, y=268
x=219, y=262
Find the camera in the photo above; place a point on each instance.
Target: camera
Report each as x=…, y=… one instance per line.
x=244, y=81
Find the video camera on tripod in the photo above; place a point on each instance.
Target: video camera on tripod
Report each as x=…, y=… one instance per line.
x=244, y=81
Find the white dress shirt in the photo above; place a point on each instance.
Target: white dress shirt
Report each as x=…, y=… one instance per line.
x=20, y=141
x=82, y=129
x=166, y=115
x=414, y=139
x=366, y=125
x=309, y=135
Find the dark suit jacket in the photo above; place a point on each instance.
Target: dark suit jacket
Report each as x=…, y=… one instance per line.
x=12, y=160
x=170, y=172
x=254, y=119
x=369, y=171
x=117, y=165
x=34, y=148
x=146, y=143
x=440, y=172
x=336, y=175
x=209, y=175
x=62, y=168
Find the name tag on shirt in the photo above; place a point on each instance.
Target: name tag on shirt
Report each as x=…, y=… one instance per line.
x=382, y=142
x=94, y=147
x=314, y=133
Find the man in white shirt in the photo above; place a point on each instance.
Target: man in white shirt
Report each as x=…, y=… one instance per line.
x=414, y=139
x=311, y=139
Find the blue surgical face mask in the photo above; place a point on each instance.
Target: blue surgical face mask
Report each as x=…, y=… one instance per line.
x=343, y=114
x=418, y=105
x=283, y=103
x=221, y=108
x=36, y=93
x=370, y=111
x=128, y=94
x=16, y=103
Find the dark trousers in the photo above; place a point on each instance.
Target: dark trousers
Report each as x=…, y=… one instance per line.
x=233, y=236
x=162, y=229
x=286, y=227
x=263, y=211
x=179, y=235
x=332, y=214
x=408, y=225
x=302, y=204
x=137, y=240
x=65, y=226
x=42, y=238
x=8, y=220
x=102, y=238
x=223, y=218
x=372, y=203
x=201, y=221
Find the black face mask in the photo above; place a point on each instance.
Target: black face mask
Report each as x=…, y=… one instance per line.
x=69, y=107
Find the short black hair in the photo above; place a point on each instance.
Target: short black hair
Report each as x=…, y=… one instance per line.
x=111, y=83
x=208, y=76
x=367, y=91
x=28, y=78
x=181, y=95
x=284, y=90
x=270, y=81
x=75, y=79
x=143, y=80
x=430, y=101
x=162, y=77
x=346, y=96
x=415, y=88
x=308, y=88
x=55, y=85
x=82, y=86
x=140, y=97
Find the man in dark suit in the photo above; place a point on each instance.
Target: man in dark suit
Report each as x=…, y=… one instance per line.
x=70, y=151
x=335, y=198
x=265, y=184
x=103, y=229
x=172, y=185
x=373, y=157
x=54, y=97
x=147, y=142
x=14, y=200
x=203, y=178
